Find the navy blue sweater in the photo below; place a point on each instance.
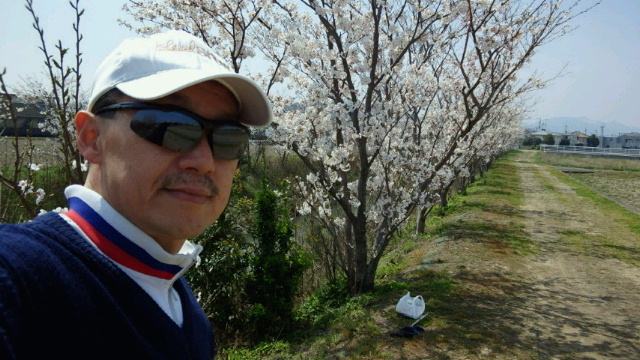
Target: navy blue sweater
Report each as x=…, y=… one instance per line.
x=59, y=297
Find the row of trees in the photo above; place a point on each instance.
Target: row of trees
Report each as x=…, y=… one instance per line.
x=549, y=139
x=386, y=103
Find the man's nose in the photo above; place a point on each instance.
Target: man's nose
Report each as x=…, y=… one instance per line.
x=199, y=158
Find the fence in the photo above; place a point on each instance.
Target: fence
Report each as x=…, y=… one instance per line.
x=592, y=151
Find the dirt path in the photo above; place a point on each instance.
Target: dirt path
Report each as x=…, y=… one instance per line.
x=581, y=302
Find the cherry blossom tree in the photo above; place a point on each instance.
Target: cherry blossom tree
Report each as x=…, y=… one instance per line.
x=386, y=103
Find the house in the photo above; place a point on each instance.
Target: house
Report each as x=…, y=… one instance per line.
x=622, y=141
x=629, y=141
x=577, y=138
x=28, y=116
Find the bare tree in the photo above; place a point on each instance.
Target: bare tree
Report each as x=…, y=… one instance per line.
x=62, y=100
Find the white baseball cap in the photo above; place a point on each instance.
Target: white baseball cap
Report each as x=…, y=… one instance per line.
x=154, y=67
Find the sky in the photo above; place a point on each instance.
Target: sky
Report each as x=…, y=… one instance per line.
x=600, y=58
x=602, y=73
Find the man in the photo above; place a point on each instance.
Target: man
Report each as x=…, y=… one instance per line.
x=165, y=127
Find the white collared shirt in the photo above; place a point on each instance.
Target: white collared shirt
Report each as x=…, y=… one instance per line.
x=147, y=250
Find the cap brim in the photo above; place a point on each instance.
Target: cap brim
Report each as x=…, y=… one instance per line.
x=254, y=105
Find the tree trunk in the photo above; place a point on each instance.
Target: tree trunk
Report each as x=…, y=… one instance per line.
x=366, y=277
x=422, y=219
x=358, y=263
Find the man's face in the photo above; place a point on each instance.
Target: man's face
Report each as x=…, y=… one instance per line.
x=170, y=195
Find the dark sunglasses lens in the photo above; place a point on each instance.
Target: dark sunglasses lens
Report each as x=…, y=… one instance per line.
x=229, y=142
x=173, y=130
x=178, y=131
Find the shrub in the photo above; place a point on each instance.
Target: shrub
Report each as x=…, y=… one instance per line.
x=248, y=277
x=220, y=279
x=531, y=141
x=277, y=264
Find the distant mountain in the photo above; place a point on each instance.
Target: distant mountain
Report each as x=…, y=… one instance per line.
x=582, y=124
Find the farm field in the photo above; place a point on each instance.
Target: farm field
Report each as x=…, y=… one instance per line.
x=617, y=179
x=46, y=150
x=621, y=186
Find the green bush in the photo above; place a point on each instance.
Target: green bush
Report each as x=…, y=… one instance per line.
x=531, y=141
x=277, y=264
x=549, y=140
x=220, y=278
x=248, y=277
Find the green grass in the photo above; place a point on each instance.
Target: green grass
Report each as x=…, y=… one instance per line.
x=617, y=214
x=49, y=178
x=495, y=195
x=510, y=235
x=500, y=183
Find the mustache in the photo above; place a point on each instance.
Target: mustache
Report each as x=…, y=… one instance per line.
x=177, y=180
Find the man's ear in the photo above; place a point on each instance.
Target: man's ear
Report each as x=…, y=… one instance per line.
x=87, y=134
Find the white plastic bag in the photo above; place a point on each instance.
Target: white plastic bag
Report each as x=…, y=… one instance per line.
x=410, y=306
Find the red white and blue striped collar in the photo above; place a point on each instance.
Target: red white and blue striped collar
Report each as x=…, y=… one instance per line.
x=123, y=242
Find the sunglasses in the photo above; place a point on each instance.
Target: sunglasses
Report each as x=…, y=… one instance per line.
x=177, y=129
